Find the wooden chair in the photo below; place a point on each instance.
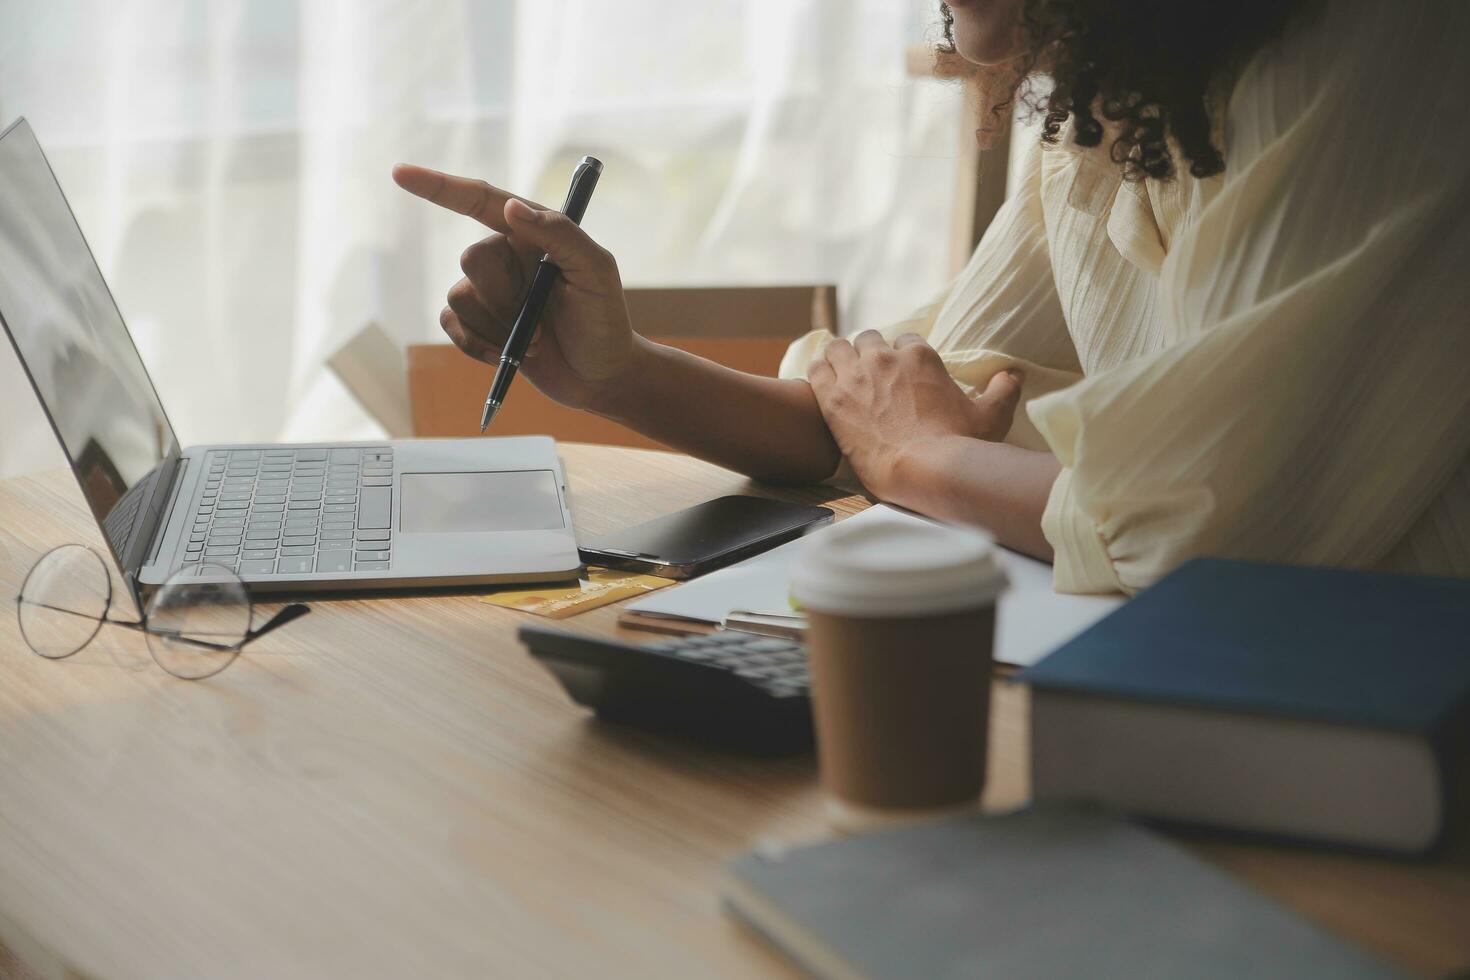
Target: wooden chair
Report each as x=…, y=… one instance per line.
x=747, y=328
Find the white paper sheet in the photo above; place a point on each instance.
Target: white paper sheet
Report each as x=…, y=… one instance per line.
x=1033, y=620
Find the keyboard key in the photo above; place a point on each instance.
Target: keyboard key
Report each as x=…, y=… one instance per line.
x=195, y=548
x=268, y=508
x=338, y=508
x=260, y=567
x=262, y=534
x=222, y=551
x=258, y=554
x=292, y=538
x=293, y=566
x=370, y=535
x=370, y=566
x=342, y=534
x=331, y=525
x=377, y=481
x=312, y=454
x=375, y=509
x=376, y=556
x=303, y=505
x=334, y=561
x=308, y=550
x=223, y=521
x=372, y=545
x=345, y=455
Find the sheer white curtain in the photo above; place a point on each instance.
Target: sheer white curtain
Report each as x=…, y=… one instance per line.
x=229, y=160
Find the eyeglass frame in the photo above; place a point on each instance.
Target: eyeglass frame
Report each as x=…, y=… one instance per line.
x=291, y=612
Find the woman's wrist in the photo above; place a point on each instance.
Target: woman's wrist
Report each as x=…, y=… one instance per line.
x=620, y=396
x=910, y=465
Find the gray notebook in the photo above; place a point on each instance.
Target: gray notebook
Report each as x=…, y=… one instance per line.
x=1053, y=892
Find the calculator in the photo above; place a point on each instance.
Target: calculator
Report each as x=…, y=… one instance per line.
x=728, y=689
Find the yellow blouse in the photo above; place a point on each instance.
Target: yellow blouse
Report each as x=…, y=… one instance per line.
x=1273, y=364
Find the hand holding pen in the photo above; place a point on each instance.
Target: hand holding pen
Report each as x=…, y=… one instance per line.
x=585, y=342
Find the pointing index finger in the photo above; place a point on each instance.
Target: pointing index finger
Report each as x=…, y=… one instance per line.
x=467, y=196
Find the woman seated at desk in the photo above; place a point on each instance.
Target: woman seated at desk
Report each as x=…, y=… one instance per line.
x=1223, y=313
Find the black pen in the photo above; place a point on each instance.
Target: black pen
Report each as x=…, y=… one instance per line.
x=584, y=181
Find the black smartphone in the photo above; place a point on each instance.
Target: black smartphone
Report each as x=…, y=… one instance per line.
x=704, y=537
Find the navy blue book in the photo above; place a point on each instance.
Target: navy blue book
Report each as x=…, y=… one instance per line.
x=1307, y=703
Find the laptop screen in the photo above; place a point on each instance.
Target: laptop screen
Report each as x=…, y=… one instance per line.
x=72, y=341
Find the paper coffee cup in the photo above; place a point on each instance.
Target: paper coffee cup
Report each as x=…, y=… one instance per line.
x=901, y=617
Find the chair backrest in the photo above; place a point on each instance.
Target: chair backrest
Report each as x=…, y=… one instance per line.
x=746, y=328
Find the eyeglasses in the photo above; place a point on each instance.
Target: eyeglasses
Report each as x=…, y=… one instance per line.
x=195, y=624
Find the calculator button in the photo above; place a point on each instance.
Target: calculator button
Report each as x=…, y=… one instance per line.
x=694, y=654
x=770, y=645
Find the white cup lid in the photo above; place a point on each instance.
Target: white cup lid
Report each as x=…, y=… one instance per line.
x=897, y=566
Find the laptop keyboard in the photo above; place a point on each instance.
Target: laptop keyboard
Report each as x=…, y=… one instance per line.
x=295, y=511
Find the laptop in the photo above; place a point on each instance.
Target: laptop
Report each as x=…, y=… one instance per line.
x=285, y=518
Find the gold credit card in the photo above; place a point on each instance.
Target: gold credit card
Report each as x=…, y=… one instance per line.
x=558, y=601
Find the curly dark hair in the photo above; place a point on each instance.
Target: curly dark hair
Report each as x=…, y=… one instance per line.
x=1158, y=69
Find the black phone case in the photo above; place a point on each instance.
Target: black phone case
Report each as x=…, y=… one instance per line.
x=704, y=537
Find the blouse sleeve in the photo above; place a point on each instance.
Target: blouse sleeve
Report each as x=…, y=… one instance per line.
x=1001, y=312
x=1315, y=394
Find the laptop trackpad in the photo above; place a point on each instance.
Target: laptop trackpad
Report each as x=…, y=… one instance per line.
x=525, y=500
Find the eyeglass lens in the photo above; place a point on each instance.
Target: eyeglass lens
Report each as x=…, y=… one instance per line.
x=197, y=622
x=64, y=601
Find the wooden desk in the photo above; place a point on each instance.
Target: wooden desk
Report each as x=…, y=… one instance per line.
x=392, y=787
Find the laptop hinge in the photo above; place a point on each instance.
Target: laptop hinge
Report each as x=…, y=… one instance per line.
x=147, y=535
x=161, y=529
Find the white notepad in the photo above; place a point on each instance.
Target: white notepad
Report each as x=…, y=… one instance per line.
x=1033, y=620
